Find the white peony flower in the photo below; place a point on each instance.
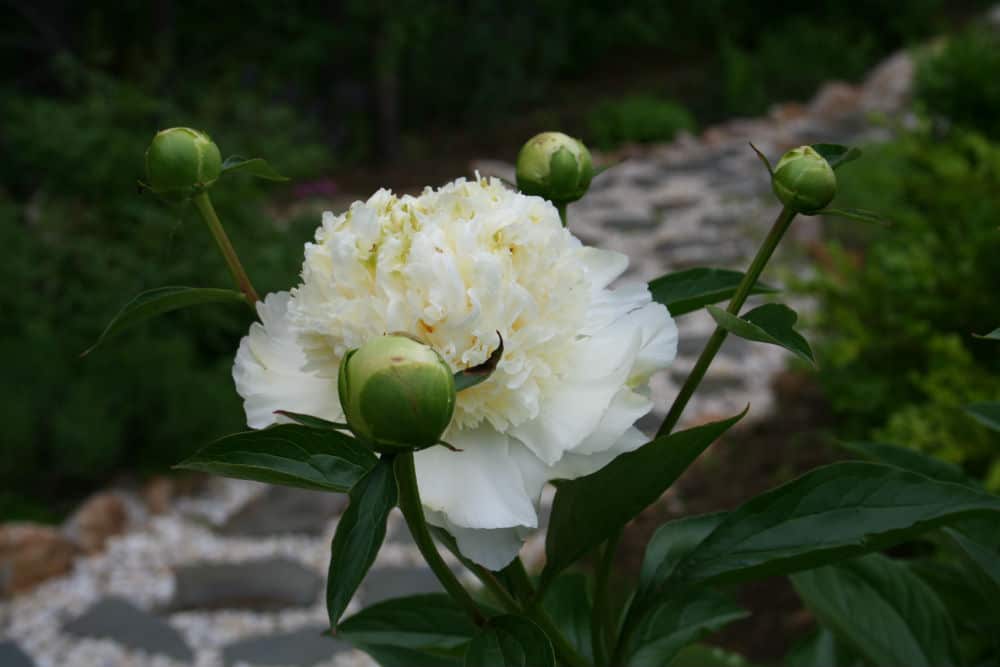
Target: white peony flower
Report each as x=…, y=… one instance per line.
x=453, y=267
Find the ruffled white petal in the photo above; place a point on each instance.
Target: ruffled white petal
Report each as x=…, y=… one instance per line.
x=575, y=465
x=268, y=374
x=493, y=549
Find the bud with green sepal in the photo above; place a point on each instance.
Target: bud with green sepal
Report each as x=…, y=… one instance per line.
x=181, y=162
x=804, y=181
x=555, y=166
x=397, y=393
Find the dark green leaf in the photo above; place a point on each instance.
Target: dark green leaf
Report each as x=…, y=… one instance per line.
x=679, y=621
x=254, y=166
x=669, y=545
x=418, y=622
x=588, y=510
x=987, y=414
x=831, y=513
x=289, y=455
x=470, y=377
x=686, y=291
x=771, y=323
x=510, y=641
x=856, y=214
x=400, y=656
x=359, y=536
x=311, y=422
x=702, y=655
x=993, y=335
x=161, y=300
x=568, y=604
x=909, y=459
x=979, y=543
x=837, y=155
x=822, y=649
x=882, y=610
x=763, y=158
x=969, y=603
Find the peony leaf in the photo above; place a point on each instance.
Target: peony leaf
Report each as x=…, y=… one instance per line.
x=430, y=621
x=679, y=621
x=669, y=545
x=686, y=291
x=359, y=536
x=256, y=166
x=312, y=422
x=837, y=155
x=987, y=414
x=979, y=545
x=882, y=610
x=822, y=649
x=399, y=656
x=771, y=323
x=763, y=158
x=703, y=655
x=510, y=641
x=856, y=214
x=588, y=510
x=151, y=303
x=470, y=377
x=289, y=455
x=909, y=459
x=568, y=604
x=831, y=513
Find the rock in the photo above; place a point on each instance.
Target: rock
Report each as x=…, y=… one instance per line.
x=834, y=100
x=101, y=517
x=282, y=510
x=120, y=621
x=11, y=655
x=158, y=492
x=271, y=583
x=887, y=88
x=393, y=582
x=30, y=554
x=304, y=647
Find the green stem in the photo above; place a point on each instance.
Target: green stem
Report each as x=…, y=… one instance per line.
x=413, y=512
x=207, y=211
x=602, y=630
x=494, y=586
x=532, y=606
x=719, y=335
x=561, y=207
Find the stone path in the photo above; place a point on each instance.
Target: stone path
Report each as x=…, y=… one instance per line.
x=233, y=575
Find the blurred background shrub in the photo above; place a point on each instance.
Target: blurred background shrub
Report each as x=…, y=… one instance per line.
x=329, y=91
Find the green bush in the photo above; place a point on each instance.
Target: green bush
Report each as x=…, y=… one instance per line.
x=638, y=119
x=78, y=241
x=959, y=81
x=898, y=360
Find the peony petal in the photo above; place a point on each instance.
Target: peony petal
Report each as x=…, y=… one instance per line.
x=575, y=465
x=659, y=340
x=268, y=374
x=602, y=266
x=626, y=408
x=481, y=486
x=493, y=549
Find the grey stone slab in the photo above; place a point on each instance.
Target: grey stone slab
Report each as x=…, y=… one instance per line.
x=304, y=647
x=393, y=582
x=11, y=655
x=283, y=510
x=265, y=584
x=630, y=223
x=122, y=622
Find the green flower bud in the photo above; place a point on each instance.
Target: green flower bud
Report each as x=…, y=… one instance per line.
x=555, y=166
x=804, y=181
x=180, y=162
x=397, y=393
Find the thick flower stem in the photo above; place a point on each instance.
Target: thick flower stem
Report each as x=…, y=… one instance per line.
x=719, y=335
x=207, y=211
x=413, y=512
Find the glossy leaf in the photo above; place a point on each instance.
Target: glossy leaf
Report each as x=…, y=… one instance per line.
x=290, y=455
x=882, y=610
x=254, y=166
x=703, y=655
x=822, y=649
x=470, y=377
x=856, y=214
x=359, y=536
x=831, y=513
x=669, y=545
x=771, y=323
x=909, y=459
x=417, y=622
x=679, y=621
x=568, y=605
x=151, y=303
x=510, y=641
x=686, y=291
x=987, y=414
x=837, y=155
x=979, y=543
x=588, y=510
x=312, y=422
x=400, y=656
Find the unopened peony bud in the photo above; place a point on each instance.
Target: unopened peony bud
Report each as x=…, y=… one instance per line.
x=396, y=393
x=804, y=181
x=180, y=162
x=555, y=166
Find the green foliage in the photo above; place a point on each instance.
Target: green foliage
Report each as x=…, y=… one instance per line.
x=685, y=291
x=957, y=81
x=898, y=360
x=636, y=119
x=772, y=323
x=510, y=641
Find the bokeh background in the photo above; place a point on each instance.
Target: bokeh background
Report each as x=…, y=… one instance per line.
x=351, y=96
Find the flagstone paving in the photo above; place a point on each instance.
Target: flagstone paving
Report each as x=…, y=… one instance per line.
x=232, y=576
